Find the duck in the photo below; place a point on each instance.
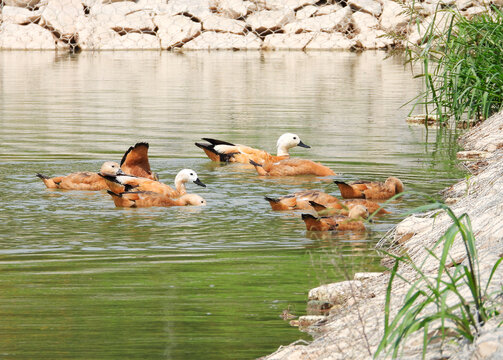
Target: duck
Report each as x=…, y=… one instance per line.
x=353, y=222
x=124, y=183
x=371, y=189
x=135, y=162
x=83, y=180
x=137, y=199
x=292, y=167
x=320, y=201
x=218, y=150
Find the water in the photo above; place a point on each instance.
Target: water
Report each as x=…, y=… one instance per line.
x=81, y=279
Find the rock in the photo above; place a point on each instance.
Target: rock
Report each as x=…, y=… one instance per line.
x=309, y=320
x=393, y=17
x=26, y=37
x=424, y=9
x=287, y=4
x=210, y=40
x=331, y=41
x=92, y=36
x=336, y=293
x=133, y=41
x=217, y=23
x=338, y=21
x=464, y=4
x=410, y=226
x=19, y=15
x=316, y=307
x=266, y=21
x=373, y=40
x=369, y=6
x=366, y=275
x=155, y=6
x=21, y=3
x=123, y=17
x=363, y=22
x=175, y=31
x=417, y=34
x=306, y=12
x=473, y=11
x=231, y=8
x=196, y=8
x=328, y=9
x=287, y=41
x=61, y=16
x=472, y=155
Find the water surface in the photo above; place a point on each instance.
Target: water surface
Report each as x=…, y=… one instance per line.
x=82, y=279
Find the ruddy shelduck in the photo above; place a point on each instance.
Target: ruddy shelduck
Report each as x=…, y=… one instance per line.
x=137, y=199
x=223, y=151
x=353, y=222
x=83, y=180
x=135, y=162
x=291, y=167
x=123, y=183
x=370, y=189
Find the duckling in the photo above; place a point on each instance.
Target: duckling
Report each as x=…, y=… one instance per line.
x=291, y=167
x=83, y=180
x=339, y=222
x=344, y=207
x=218, y=150
x=139, y=199
x=135, y=162
x=370, y=190
x=123, y=183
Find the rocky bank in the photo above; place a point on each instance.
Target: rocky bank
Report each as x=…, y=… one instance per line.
x=221, y=24
x=355, y=308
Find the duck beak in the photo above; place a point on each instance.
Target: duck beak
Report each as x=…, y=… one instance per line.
x=301, y=144
x=120, y=172
x=199, y=182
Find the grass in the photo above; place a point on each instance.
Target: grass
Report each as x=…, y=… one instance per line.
x=462, y=67
x=451, y=310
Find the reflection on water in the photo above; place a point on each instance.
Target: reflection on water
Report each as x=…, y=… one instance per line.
x=82, y=279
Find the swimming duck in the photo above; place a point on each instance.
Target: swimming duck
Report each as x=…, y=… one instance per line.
x=291, y=167
x=218, y=150
x=139, y=199
x=370, y=189
x=344, y=207
x=339, y=222
x=135, y=162
x=83, y=180
x=122, y=183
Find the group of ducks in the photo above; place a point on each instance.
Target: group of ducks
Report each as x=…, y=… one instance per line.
x=132, y=183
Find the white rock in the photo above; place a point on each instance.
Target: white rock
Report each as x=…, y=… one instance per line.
x=328, y=9
x=287, y=41
x=133, y=41
x=336, y=293
x=21, y=3
x=417, y=33
x=393, y=17
x=26, y=37
x=217, y=23
x=308, y=320
x=196, y=8
x=306, y=12
x=364, y=22
x=338, y=21
x=210, y=40
x=266, y=20
x=18, y=15
x=157, y=6
x=123, y=17
x=287, y=4
x=60, y=16
x=369, y=6
x=232, y=8
x=174, y=31
x=367, y=275
x=331, y=41
x=373, y=40
x=94, y=36
x=410, y=226
x=474, y=10
x=464, y=4
x=424, y=9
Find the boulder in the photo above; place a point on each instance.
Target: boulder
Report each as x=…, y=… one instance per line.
x=133, y=41
x=287, y=4
x=367, y=275
x=464, y=4
x=369, y=6
x=210, y=40
x=373, y=40
x=338, y=21
x=393, y=17
x=21, y=3
x=287, y=41
x=306, y=12
x=328, y=9
x=92, y=36
x=217, y=23
x=26, y=37
x=266, y=21
x=233, y=9
x=19, y=15
x=156, y=6
x=123, y=17
x=331, y=41
x=363, y=22
x=195, y=8
x=336, y=293
x=410, y=226
x=175, y=31
x=61, y=16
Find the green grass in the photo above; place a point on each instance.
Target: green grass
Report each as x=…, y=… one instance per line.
x=451, y=312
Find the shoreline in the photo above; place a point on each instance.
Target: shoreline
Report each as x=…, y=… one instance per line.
x=355, y=325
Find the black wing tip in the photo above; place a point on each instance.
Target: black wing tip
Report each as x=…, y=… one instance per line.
x=42, y=176
x=308, y=216
x=217, y=142
x=339, y=182
x=271, y=199
x=315, y=204
x=255, y=163
x=113, y=194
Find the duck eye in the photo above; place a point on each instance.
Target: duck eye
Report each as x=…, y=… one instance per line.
x=295, y=137
x=191, y=174
x=202, y=202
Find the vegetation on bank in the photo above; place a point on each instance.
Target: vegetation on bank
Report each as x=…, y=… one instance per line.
x=462, y=67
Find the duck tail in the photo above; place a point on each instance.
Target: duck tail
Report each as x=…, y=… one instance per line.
x=317, y=206
x=259, y=168
x=42, y=176
x=50, y=183
x=111, y=193
x=271, y=200
x=217, y=142
x=209, y=150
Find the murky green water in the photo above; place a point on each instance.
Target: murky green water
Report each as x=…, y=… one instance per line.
x=82, y=279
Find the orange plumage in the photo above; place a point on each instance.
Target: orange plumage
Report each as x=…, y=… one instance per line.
x=291, y=167
x=135, y=162
x=371, y=190
x=351, y=222
x=152, y=199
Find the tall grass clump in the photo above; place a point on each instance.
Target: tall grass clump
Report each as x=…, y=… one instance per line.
x=453, y=302
x=462, y=66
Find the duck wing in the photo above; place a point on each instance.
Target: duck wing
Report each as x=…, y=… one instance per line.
x=135, y=161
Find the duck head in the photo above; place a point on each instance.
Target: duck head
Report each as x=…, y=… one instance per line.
x=111, y=168
x=186, y=175
x=287, y=141
x=193, y=199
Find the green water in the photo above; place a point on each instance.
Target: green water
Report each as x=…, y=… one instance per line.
x=81, y=279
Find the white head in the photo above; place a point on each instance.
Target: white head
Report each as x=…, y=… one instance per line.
x=186, y=175
x=287, y=141
x=111, y=168
x=358, y=211
x=193, y=199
